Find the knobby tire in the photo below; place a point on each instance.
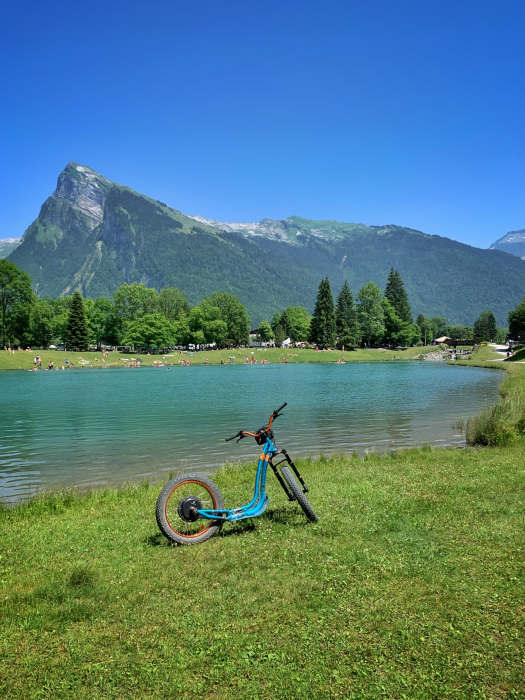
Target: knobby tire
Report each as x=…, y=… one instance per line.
x=171, y=525
x=298, y=494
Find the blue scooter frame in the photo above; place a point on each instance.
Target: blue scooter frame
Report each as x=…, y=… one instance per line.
x=182, y=510
x=260, y=500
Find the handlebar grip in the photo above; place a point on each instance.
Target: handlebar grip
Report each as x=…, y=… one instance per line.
x=232, y=437
x=281, y=407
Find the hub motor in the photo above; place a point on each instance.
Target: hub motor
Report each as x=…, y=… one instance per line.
x=188, y=508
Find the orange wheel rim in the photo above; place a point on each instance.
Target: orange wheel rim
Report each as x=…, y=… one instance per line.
x=198, y=524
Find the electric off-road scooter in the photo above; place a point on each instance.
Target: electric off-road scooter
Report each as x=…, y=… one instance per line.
x=190, y=508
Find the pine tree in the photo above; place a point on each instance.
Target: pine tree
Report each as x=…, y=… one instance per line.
x=280, y=336
x=396, y=294
x=322, y=327
x=485, y=327
x=284, y=322
x=370, y=313
x=77, y=335
x=346, y=323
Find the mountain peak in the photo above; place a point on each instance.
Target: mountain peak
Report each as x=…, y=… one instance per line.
x=512, y=242
x=94, y=235
x=86, y=189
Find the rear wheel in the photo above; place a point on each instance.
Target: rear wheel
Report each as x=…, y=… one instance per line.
x=298, y=494
x=176, y=506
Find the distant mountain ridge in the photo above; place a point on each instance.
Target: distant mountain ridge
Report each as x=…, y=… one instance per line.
x=7, y=245
x=295, y=228
x=93, y=234
x=512, y=242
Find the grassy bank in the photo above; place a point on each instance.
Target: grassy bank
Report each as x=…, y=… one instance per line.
x=24, y=360
x=518, y=357
x=505, y=421
x=411, y=586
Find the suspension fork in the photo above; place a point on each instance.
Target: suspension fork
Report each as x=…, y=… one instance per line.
x=280, y=479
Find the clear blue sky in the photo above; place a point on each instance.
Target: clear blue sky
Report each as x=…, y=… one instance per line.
x=381, y=112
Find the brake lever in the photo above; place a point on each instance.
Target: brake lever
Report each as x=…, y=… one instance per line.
x=241, y=437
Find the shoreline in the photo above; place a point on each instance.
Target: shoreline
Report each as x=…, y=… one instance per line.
x=456, y=442
x=23, y=360
x=482, y=361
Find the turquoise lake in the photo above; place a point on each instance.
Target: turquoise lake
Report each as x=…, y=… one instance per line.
x=109, y=426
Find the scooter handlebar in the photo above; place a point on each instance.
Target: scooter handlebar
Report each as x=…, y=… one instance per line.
x=241, y=433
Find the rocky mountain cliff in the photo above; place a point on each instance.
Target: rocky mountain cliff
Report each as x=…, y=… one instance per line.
x=512, y=242
x=93, y=234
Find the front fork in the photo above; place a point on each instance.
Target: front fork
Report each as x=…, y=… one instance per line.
x=280, y=478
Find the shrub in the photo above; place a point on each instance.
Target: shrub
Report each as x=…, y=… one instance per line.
x=490, y=427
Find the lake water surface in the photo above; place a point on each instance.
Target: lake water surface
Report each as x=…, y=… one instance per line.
x=87, y=427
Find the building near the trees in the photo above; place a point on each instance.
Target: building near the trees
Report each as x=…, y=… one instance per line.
x=256, y=342
x=444, y=340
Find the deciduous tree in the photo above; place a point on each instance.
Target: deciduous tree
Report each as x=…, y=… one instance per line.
x=15, y=291
x=206, y=324
x=133, y=301
x=370, y=313
x=61, y=318
x=151, y=330
x=41, y=322
x=173, y=304
x=517, y=319
x=265, y=332
x=298, y=322
x=439, y=324
x=234, y=314
x=426, y=327
x=105, y=325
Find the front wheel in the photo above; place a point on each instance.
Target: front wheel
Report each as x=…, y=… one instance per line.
x=176, y=507
x=298, y=494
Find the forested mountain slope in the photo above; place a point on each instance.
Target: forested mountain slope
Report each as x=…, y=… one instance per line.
x=93, y=234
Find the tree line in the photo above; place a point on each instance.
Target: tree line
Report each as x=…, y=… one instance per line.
x=138, y=315
x=374, y=318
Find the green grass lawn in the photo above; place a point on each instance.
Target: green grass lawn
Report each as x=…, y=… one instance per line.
x=518, y=357
x=411, y=586
x=24, y=360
